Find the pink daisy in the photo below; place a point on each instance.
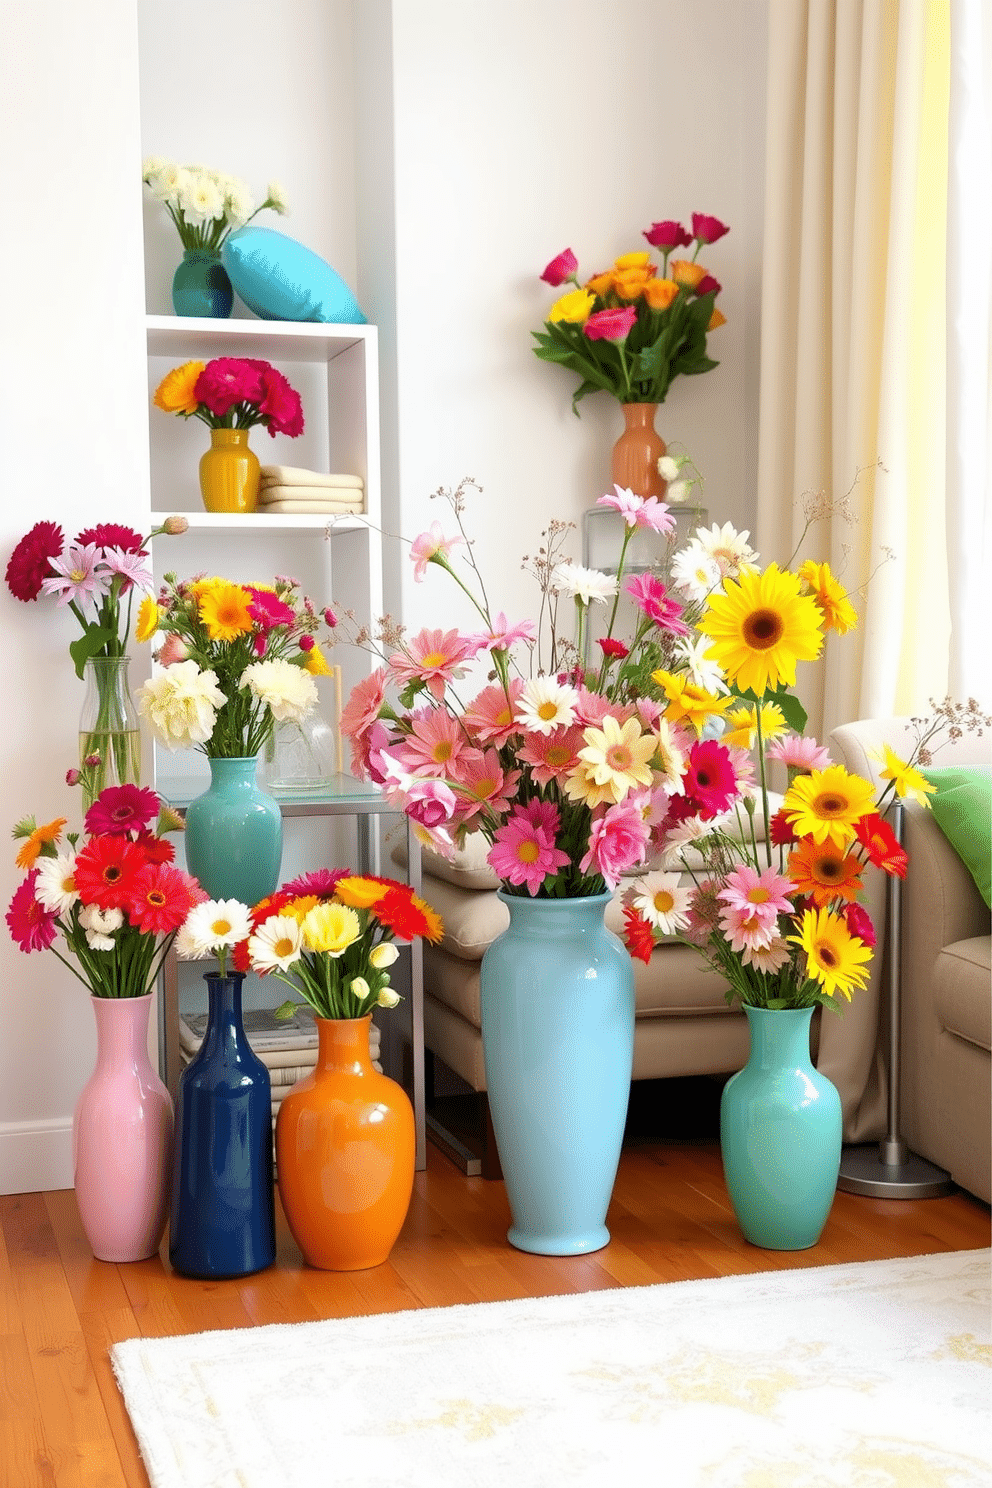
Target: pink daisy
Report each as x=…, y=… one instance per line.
x=798, y=753
x=131, y=568
x=31, y=925
x=79, y=576
x=431, y=547
x=617, y=842
x=268, y=610
x=651, y=596
x=433, y=744
x=551, y=756
x=320, y=883
x=766, y=894
x=746, y=929
x=503, y=635
x=121, y=808
x=482, y=781
x=433, y=657
x=523, y=851
x=491, y=716
x=359, y=714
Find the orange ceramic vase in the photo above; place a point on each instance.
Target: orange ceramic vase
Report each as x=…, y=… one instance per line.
x=637, y=452
x=345, y=1153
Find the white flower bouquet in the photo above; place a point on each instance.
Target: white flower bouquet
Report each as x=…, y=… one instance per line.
x=205, y=204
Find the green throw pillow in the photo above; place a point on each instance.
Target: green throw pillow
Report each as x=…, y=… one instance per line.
x=962, y=808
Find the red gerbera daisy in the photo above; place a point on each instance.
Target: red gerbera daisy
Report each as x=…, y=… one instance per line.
x=112, y=535
x=160, y=898
x=120, y=809
x=637, y=934
x=154, y=849
x=780, y=830
x=408, y=916
x=30, y=561
x=106, y=869
x=879, y=841
x=613, y=648
x=31, y=925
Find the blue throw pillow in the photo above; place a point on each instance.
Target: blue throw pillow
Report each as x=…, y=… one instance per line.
x=281, y=280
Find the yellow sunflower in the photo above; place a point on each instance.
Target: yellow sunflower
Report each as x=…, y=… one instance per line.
x=760, y=625
x=149, y=615
x=831, y=597
x=907, y=781
x=745, y=725
x=687, y=702
x=834, y=956
x=224, y=610
x=175, y=392
x=826, y=804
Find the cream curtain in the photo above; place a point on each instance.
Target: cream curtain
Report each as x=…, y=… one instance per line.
x=855, y=339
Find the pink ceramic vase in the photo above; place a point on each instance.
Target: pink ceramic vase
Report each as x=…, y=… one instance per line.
x=122, y=1137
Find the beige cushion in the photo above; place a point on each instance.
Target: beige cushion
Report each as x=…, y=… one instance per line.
x=467, y=869
x=962, y=990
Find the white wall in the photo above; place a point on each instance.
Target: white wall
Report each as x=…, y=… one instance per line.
x=490, y=134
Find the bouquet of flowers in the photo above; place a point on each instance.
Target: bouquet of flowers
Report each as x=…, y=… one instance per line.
x=233, y=659
x=629, y=330
x=329, y=935
x=205, y=205
x=97, y=576
x=566, y=768
x=116, y=899
x=232, y=393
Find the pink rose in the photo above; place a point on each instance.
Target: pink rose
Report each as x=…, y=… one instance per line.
x=617, y=842
x=610, y=325
x=707, y=229
x=667, y=235
x=561, y=269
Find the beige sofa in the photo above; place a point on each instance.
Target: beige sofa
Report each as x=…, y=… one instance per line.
x=683, y=1025
x=945, y=1088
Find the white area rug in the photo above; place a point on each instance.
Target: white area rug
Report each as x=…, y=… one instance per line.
x=875, y=1375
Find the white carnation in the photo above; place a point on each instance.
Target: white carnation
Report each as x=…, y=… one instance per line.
x=100, y=925
x=180, y=703
x=287, y=691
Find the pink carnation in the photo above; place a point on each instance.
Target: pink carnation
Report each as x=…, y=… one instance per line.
x=226, y=381
x=279, y=405
x=617, y=842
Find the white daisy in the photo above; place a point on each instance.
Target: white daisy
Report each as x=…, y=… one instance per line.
x=288, y=691
x=695, y=571
x=770, y=958
x=585, y=584
x=239, y=203
x=663, y=901
x=55, y=887
x=547, y=704
x=684, y=835
x=277, y=198
x=201, y=199
x=729, y=547
x=275, y=944
x=693, y=659
x=216, y=923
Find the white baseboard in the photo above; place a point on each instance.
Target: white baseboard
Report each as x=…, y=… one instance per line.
x=35, y=1156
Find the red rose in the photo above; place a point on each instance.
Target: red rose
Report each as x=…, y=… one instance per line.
x=708, y=285
x=610, y=325
x=667, y=235
x=30, y=561
x=562, y=268
x=707, y=229
x=859, y=923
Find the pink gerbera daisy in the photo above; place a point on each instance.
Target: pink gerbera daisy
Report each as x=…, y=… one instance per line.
x=268, y=610
x=491, y=715
x=766, y=894
x=320, y=883
x=746, y=928
x=122, y=809
x=651, y=596
x=709, y=782
x=482, y=781
x=433, y=744
x=431, y=547
x=360, y=713
x=79, y=576
x=503, y=635
x=433, y=657
x=551, y=756
x=523, y=851
x=31, y=925
x=798, y=753
x=131, y=568
x=160, y=897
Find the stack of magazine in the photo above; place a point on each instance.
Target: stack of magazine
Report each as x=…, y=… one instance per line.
x=287, y=1046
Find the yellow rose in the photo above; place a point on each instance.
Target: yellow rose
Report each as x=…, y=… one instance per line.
x=631, y=283
x=574, y=307
x=175, y=393
x=601, y=284
x=684, y=272
x=330, y=929
x=628, y=261
x=361, y=892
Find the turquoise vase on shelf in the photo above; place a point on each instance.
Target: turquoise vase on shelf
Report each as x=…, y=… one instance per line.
x=557, y=997
x=201, y=287
x=780, y=1134
x=234, y=834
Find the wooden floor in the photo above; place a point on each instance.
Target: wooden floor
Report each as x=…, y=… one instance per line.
x=62, y=1421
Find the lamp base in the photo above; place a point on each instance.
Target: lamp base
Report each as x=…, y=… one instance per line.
x=864, y=1170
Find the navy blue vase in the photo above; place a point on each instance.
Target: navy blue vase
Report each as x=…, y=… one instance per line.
x=223, y=1198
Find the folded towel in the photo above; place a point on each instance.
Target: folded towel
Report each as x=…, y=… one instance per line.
x=305, y=508
x=310, y=493
x=295, y=476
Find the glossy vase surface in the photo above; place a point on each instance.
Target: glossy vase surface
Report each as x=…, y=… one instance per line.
x=200, y=286
x=223, y=1198
x=234, y=834
x=637, y=452
x=229, y=472
x=557, y=994
x=122, y=1137
x=109, y=727
x=780, y=1134
x=345, y=1153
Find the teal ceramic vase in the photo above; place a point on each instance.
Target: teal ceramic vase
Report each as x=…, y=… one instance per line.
x=780, y=1134
x=234, y=834
x=557, y=996
x=200, y=286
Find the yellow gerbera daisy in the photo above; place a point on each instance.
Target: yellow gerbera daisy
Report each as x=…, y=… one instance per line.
x=149, y=615
x=316, y=663
x=362, y=893
x=175, y=392
x=834, y=956
x=301, y=906
x=831, y=597
x=330, y=929
x=224, y=610
x=687, y=702
x=760, y=625
x=907, y=781
x=745, y=725
x=826, y=804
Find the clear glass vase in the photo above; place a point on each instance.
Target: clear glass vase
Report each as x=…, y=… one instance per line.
x=108, y=727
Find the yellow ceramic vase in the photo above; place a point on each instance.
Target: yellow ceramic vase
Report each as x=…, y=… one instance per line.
x=229, y=472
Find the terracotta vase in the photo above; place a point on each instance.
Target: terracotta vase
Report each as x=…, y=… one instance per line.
x=345, y=1153
x=638, y=450
x=122, y=1137
x=229, y=472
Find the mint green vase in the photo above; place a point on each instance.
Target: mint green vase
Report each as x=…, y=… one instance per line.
x=234, y=834
x=780, y=1134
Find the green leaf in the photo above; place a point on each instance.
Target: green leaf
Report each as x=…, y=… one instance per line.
x=793, y=711
x=89, y=644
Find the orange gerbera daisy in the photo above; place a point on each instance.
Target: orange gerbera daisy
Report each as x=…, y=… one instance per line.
x=824, y=872
x=36, y=840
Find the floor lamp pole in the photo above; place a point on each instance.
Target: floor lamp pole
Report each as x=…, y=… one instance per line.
x=890, y=1170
